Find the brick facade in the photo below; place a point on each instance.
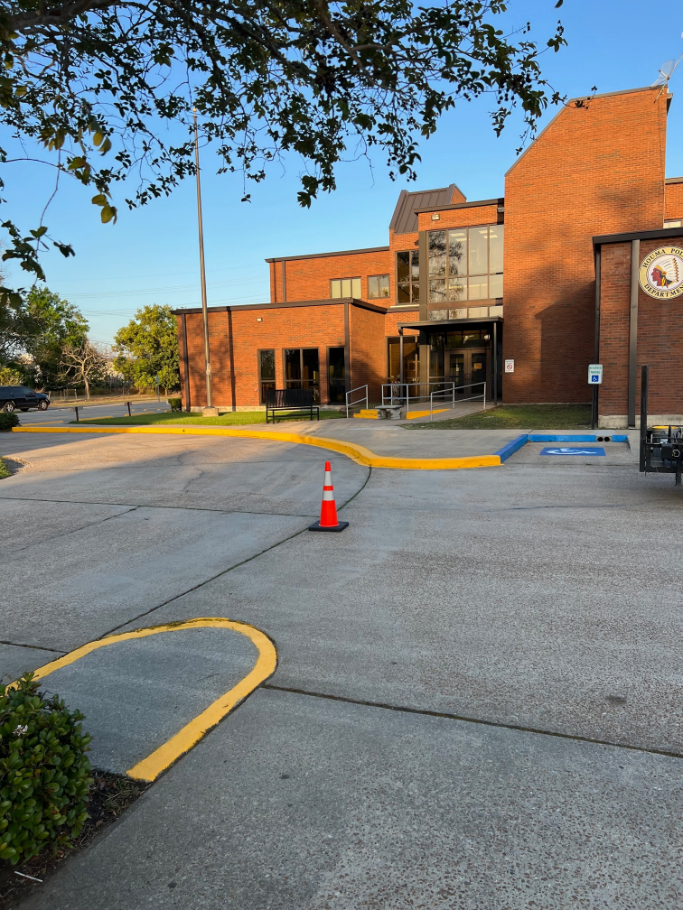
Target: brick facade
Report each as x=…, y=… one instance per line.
x=659, y=338
x=597, y=169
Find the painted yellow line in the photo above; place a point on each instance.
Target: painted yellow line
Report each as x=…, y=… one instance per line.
x=184, y=740
x=415, y=414
x=358, y=453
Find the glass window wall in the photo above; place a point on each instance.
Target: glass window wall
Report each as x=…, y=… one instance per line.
x=465, y=264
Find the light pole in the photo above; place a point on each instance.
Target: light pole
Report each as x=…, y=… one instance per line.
x=205, y=314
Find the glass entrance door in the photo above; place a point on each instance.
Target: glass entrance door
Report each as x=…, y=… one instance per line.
x=466, y=367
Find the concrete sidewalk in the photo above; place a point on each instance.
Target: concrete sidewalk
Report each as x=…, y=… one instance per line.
x=477, y=701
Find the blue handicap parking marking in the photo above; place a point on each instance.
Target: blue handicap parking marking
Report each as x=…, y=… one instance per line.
x=576, y=450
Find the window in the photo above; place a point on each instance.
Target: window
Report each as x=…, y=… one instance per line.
x=336, y=374
x=673, y=224
x=404, y=359
x=378, y=286
x=408, y=277
x=302, y=370
x=266, y=373
x=345, y=287
x=466, y=264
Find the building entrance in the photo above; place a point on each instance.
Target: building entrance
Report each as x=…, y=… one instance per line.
x=466, y=366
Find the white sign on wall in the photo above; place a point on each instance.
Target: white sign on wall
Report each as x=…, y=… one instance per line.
x=595, y=374
x=509, y=366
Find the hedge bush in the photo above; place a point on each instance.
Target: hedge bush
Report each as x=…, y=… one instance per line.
x=7, y=420
x=44, y=772
x=176, y=404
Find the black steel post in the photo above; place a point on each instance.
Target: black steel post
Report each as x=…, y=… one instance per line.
x=495, y=364
x=128, y=406
x=76, y=410
x=643, y=418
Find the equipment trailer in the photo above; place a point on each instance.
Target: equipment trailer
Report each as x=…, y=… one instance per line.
x=661, y=448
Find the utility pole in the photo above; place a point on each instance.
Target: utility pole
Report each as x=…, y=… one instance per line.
x=205, y=314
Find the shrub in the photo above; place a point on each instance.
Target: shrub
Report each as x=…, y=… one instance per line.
x=176, y=404
x=44, y=772
x=7, y=421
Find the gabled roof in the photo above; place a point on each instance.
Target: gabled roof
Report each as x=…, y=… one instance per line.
x=404, y=220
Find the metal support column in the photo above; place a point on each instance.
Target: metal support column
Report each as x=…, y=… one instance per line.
x=495, y=364
x=633, y=333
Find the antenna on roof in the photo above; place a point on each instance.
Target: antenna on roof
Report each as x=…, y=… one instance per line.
x=666, y=71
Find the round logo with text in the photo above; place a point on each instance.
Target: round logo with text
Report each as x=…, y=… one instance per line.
x=661, y=273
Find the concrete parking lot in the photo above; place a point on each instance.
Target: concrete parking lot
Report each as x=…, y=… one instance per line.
x=478, y=695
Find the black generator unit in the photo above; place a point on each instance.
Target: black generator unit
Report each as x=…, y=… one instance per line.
x=661, y=448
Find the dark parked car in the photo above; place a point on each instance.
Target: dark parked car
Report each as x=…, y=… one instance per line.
x=21, y=398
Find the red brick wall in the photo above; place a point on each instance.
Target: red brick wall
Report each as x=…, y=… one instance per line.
x=597, y=169
x=660, y=343
x=615, y=305
x=454, y=218
x=393, y=317
x=309, y=279
x=368, y=350
x=673, y=195
x=283, y=327
x=660, y=336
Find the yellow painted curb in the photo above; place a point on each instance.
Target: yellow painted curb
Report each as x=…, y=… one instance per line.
x=184, y=740
x=358, y=453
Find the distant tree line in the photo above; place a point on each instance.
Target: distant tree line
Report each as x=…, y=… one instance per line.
x=44, y=343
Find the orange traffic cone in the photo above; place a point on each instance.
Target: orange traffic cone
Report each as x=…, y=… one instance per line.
x=328, y=510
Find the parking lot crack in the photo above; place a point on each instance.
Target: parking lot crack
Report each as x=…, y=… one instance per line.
x=466, y=719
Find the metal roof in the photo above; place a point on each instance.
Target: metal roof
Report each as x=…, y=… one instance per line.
x=404, y=220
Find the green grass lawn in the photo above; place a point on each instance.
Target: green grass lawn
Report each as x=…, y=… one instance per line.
x=4, y=470
x=518, y=417
x=236, y=418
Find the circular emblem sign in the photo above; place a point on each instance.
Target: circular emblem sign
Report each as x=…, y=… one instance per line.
x=661, y=273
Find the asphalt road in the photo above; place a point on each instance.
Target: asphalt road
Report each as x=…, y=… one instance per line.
x=61, y=414
x=478, y=696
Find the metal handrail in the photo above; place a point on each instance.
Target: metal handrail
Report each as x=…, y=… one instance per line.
x=352, y=404
x=391, y=399
x=469, y=385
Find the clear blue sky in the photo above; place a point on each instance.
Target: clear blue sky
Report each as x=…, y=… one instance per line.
x=151, y=254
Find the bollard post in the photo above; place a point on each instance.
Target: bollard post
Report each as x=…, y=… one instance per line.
x=76, y=410
x=128, y=406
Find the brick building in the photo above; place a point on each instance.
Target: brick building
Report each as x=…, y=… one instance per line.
x=545, y=280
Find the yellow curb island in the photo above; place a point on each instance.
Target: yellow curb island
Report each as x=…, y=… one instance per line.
x=162, y=758
x=358, y=453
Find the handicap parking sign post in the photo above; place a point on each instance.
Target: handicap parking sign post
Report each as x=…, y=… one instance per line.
x=595, y=379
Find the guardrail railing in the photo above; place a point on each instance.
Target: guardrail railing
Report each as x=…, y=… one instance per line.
x=451, y=392
x=352, y=404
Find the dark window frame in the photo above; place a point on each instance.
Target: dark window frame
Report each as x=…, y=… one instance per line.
x=342, y=348
x=347, y=278
x=261, y=380
x=414, y=300
x=387, y=296
x=313, y=385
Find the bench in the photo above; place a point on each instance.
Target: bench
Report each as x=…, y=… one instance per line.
x=290, y=400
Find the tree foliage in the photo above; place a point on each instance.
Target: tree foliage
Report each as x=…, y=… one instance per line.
x=148, y=347
x=55, y=324
x=107, y=87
